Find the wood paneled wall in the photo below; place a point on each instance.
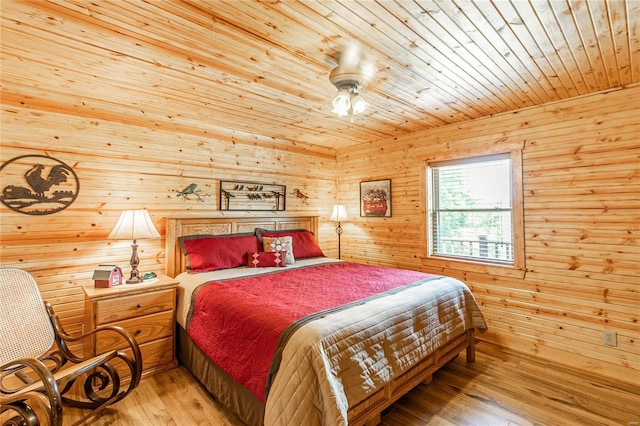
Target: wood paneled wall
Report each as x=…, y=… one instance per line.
x=121, y=166
x=582, y=220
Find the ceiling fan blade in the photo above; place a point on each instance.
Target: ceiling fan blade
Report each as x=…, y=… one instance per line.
x=351, y=56
x=352, y=60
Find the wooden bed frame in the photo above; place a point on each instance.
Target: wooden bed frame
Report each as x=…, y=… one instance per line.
x=367, y=412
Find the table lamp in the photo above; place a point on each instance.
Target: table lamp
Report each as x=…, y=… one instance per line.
x=134, y=225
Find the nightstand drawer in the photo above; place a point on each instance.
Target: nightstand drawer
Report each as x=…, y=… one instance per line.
x=110, y=310
x=157, y=353
x=143, y=329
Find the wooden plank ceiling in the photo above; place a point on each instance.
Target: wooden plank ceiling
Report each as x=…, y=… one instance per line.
x=260, y=69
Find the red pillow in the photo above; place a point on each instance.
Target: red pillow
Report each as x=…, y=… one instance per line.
x=213, y=252
x=304, y=242
x=263, y=259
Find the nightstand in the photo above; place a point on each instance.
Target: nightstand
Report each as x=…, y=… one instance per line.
x=146, y=310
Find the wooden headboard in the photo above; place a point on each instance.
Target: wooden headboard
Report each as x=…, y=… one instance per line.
x=180, y=226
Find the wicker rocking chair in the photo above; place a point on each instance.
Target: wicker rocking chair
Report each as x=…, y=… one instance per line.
x=35, y=381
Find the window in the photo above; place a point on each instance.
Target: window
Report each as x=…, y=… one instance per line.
x=473, y=210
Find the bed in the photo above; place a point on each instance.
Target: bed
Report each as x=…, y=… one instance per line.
x=344, y=365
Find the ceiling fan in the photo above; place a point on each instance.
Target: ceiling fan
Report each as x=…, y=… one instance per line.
x=354, y=69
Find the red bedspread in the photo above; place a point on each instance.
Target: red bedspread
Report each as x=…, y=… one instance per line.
x=237, y=323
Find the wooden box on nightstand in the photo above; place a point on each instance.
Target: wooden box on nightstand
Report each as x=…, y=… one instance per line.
x=146, y=310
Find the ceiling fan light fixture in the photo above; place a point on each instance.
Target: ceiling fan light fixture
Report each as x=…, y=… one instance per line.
x=342, y=103
x=358, y=104
x=353, y=71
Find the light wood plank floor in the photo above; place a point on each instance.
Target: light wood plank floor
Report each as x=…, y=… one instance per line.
x=501, y=388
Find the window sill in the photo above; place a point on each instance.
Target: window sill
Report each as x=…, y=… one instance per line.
x=470, y=266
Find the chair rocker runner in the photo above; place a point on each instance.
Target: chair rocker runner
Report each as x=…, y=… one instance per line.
x=36, y=378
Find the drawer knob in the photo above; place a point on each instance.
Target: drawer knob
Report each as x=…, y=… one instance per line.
x=138, y=331
x=139, y=305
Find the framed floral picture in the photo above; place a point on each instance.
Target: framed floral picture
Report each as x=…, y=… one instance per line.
x=375, y=198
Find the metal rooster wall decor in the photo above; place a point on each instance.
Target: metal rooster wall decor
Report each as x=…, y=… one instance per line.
x=38, y=185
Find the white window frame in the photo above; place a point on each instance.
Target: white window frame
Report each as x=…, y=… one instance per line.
x=515, y=268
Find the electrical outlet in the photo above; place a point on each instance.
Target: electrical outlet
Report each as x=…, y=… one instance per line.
x=609, y=338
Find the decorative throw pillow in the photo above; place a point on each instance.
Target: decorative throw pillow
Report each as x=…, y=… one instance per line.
x=263, y=259
x=280, y=244
x=212, y=252
x=304, y=242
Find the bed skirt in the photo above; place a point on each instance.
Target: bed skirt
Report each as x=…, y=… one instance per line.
x=224, y=389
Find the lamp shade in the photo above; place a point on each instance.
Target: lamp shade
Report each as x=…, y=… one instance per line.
x=339, y=214
x=342, y=103
x=134, y=225
x=358, y=104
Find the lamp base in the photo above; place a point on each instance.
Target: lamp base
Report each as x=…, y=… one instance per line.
x=134, y=262
x=135, y=277
x=339, y=232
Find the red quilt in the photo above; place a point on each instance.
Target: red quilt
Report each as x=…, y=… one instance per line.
x=237, y=323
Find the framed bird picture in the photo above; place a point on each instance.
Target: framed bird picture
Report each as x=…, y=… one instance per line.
x=252, y=196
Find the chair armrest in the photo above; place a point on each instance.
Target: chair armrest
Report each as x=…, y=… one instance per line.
x=43, y=384
x=114, y=328
x=62, y=338
x=19, y=370
x=129, y=338
x=134, y=362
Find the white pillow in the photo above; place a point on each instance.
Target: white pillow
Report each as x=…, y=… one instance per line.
x=280, y=244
